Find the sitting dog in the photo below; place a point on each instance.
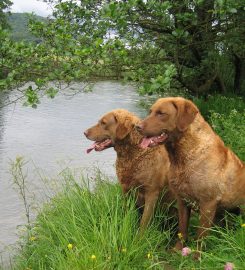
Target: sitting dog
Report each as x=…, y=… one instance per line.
x=142, y=169
x=203, y=171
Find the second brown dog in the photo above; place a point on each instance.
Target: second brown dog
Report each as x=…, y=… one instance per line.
x=203, y=170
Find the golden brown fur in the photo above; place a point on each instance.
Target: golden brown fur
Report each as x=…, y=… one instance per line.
x=203, y=170
x=143, y=169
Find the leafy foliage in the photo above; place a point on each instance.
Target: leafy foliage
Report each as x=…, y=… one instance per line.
x=162, y=45
x=4, y=6
x=190, y=44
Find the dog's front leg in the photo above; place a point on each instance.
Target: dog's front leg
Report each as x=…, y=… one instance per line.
x=207, y=214
x=150, y=203
x=184, y=216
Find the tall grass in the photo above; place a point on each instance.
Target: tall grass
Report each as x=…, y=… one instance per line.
x=86, y=229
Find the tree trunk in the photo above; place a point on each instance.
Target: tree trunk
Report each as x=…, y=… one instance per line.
x=239, y=72
x=220, y=84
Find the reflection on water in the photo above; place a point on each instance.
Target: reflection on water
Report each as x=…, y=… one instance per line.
x=51, y=137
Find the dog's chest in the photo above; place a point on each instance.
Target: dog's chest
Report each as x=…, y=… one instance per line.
x=190, y=182
x=127, y=172
x=179, y=181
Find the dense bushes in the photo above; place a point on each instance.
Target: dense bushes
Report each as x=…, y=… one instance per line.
x=220, y=104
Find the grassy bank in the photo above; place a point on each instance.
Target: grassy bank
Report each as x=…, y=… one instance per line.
x=84, y=228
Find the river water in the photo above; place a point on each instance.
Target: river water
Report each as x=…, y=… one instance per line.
x=51, y=138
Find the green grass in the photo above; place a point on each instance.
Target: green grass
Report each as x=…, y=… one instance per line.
x=99, y=222
x=102, y=223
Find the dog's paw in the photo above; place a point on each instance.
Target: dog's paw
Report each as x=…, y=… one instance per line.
x=178, y=246
x=196, y=255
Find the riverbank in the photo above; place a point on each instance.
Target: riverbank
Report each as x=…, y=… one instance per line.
x=84, y=229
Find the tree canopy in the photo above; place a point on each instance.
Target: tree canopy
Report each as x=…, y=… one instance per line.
x=4, y=6
x=198, y=45
x=194, y=45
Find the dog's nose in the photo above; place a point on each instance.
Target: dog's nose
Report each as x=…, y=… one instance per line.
x=139, y=127
x=85, y=133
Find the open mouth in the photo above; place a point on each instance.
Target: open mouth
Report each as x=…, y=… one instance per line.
x=100, y=146
x=153, y=141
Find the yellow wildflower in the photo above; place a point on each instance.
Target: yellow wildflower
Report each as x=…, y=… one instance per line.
x=243, y=225
x=124, y=250
x=180, y=235
x=70, y=246
x=149, y=255
x=93, y=257
x=32, y=238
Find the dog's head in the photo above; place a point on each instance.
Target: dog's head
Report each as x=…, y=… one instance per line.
x=167, y=116
x=112, y=127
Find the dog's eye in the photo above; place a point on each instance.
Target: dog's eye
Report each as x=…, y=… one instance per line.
x=103, y=123
x=159, y=113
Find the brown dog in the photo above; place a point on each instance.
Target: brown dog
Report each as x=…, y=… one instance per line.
x=143, y=169
x=203, y=171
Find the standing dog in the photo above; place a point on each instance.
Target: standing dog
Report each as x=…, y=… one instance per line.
x=203, y=171
x=143, y=169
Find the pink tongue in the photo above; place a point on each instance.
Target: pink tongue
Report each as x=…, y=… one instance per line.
x=91, y=148
x=145, y=142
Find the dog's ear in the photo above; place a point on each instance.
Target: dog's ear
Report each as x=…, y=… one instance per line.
x=123, y=128
x=186, y=113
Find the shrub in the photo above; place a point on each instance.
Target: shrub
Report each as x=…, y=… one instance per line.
x=219, y=104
